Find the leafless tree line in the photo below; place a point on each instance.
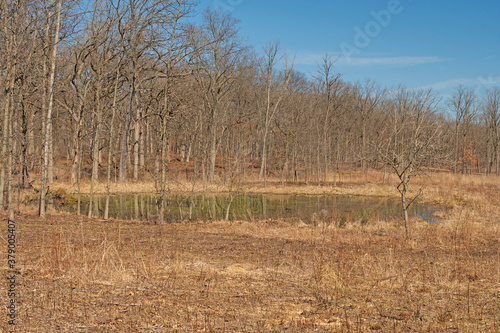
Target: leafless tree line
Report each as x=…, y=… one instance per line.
x=116, y=90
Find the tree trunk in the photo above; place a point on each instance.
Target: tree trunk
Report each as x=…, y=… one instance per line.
x=31, y=141
x=110, y=144
x=7, y=89
x=137, y=131
x=125, y=133
x=212, y=153
x=405, y=211
x=163, y=179
x=24, y=148
x=95, y=145
x=6, y=110
x=50, y=93
x=50, y=157
x=142, y=147
x=164, y=149
x=77, y=143
x=263, y=166
x=10, y=206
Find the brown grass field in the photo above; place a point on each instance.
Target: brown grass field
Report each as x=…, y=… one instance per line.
x=90, y=275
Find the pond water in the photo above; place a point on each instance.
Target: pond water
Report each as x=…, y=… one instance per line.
x=294, y=208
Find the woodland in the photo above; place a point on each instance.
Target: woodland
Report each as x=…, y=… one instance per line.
x=113, y=91
x=102, y=97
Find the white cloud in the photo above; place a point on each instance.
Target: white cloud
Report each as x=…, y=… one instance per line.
x=314, y=58
x=310, y=58
x=469, y=82
x=390, y=61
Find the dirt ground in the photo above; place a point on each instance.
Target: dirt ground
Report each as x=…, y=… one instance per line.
x=81, y=275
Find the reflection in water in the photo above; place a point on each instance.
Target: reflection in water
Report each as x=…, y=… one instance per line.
x=309, y=209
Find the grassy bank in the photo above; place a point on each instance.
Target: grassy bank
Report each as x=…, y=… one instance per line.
x=97, y=276
x=90, y=275
x=437, y=186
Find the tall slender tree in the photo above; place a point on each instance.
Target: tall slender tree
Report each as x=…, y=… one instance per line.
x=275, y=89
x=50, y=102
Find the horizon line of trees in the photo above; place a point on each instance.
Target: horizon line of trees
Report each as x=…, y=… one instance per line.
x=113, y=89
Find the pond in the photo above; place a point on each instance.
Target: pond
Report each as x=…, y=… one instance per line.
x=294, y=208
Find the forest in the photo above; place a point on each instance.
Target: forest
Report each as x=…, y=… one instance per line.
x=114, y=91
x=156, y=98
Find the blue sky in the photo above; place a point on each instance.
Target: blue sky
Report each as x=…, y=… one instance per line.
x=419, y=43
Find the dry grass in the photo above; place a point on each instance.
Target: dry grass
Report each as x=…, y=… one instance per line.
x=97, y=276
x=81, y=275
x=438, y=187
x=141, y=187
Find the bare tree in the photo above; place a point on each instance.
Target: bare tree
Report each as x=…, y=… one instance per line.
x=6, y=85
x=368, y=96
x=75, y=100
x=463, y=104
x=104, y=45
x=111, y=138
x=491, y=114
x=329, y=88
x=15, y=27
x=50, y=103
x=141, y=25
x=411, y=140
x=295, y=124
x=219, y=50
x=173, y=55
x=275, y=89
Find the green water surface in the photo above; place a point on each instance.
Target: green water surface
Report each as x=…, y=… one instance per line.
x=309, y=209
